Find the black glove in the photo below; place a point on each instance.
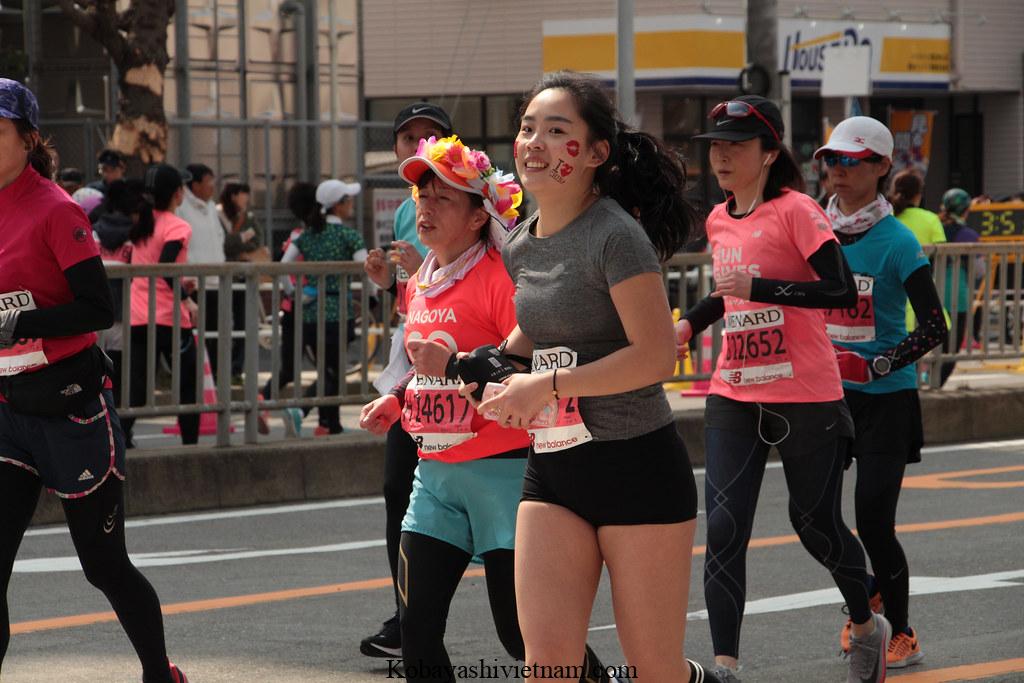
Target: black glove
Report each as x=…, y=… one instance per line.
x=483, y=364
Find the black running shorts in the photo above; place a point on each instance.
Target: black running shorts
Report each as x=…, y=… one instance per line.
x=887, y=424
x=645, y=480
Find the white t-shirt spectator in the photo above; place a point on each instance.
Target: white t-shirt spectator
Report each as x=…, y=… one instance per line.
x=207, y=244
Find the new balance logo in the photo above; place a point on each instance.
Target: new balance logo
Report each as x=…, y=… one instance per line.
x=86, y=475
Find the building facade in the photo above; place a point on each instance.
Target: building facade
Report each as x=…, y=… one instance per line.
x=959, y=61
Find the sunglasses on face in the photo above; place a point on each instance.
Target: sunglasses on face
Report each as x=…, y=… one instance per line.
x=833, y=160
x=735, y=109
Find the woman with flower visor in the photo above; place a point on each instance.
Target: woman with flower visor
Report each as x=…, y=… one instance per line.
x=469, y=478
x=877, y=357
x=777, y=267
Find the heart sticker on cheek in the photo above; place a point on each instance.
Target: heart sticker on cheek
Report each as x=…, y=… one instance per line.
x=572, y=147
x=565, y=169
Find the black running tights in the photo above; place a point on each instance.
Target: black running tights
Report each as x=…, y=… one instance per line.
x=428, y=574
x=400, y=460
x=879, y=478
x=96, y=523
x=735, y=467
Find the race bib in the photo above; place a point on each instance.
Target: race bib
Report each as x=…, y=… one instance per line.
x=856, y=324
x=565, y=428
x=754, y=347
x=435, y=416
x=25, y=354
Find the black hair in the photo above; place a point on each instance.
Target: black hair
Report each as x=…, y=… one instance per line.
x=227, y=198
x=129, y=197
x=304, y=206
x=198, y=172
x=41, y=155
x=163, y=194
x=784, y=173
x=646, y=178
x=906, y=185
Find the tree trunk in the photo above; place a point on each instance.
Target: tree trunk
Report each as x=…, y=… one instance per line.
x=136, y=40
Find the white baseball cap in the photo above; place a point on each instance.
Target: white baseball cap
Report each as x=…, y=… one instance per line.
x=859, y=136
x=330, y=192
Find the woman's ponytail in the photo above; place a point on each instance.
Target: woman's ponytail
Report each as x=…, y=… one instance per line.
x=648, y=180
x=41, y=155
x=643, y=176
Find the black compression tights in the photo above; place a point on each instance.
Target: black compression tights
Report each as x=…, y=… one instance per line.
x=734, y=469
x=103, y=557
x=400, y=460
x=429, y=571
x=879, y=478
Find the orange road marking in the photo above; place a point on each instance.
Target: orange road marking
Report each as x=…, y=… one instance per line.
x=215, y=603
x=967, y=672
x=951, y=480
x=374, y=584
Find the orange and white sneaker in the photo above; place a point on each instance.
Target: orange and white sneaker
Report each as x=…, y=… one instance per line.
x=904, y=650
x=875, y=602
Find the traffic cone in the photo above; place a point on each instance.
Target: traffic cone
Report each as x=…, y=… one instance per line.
x=701, y=387
x=672, y=386
x=207, y=420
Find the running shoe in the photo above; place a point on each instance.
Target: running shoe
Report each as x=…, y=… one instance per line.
x=177, y=675
x=875, y=602
x=325, y=431
x=725, y=674
x=292, y=422
x=385, y=643
x=868, y=656
x=698, y=674
x=904, y=650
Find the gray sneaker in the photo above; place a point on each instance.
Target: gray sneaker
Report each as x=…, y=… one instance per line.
x=292, y=418
x=867, y=656
x=725, y=674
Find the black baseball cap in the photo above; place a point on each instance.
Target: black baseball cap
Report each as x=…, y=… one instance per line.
x=70, y=175
x=165, y=176
x=759, y=117
x=110, y=157
x=424, y=110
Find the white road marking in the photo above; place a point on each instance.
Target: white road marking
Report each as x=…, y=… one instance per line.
x=182, y=557
x=919, y=585
x=357, y=502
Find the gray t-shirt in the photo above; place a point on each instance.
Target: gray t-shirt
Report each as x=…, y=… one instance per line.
x=562, y=299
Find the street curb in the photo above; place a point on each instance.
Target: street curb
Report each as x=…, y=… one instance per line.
x=185, y=479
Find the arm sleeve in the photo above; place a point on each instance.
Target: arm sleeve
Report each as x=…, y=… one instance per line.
x=398, y=391
x=92, y=308
x=169, y=254
x=834, y=289
x=931, y=321
x=705, y=313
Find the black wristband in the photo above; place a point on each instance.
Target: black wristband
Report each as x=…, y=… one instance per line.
x=451, y=368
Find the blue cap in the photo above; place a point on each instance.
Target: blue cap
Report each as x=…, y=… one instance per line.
x=18, y=102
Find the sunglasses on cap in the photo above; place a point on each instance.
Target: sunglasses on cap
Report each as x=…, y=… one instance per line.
x=832, y=160
x=735, y=109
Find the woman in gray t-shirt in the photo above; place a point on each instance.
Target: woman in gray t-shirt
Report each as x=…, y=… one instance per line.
x=593, y=313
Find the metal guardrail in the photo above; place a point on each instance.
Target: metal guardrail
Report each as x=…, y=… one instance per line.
x=991, y=270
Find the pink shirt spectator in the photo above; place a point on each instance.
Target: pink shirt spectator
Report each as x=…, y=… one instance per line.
x=773, y=353
x=167, y=228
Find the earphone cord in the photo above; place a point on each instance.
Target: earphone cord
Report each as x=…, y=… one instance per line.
x=761, y=410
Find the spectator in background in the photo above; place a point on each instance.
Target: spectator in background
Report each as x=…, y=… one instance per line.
x=241, y=236
x=326, y=238
x=955, y=205
x=905, y=197
x=112, y=165
x=125, y=208
x=159, y=236
x=89, y=199
x=243, y=241
x=207, y=245
x=70, y=179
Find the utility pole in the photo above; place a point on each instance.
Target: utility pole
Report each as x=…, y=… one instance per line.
x=625, y=81
x=762, y=40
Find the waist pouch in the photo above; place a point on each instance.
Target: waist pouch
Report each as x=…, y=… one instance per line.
x=61, y=388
